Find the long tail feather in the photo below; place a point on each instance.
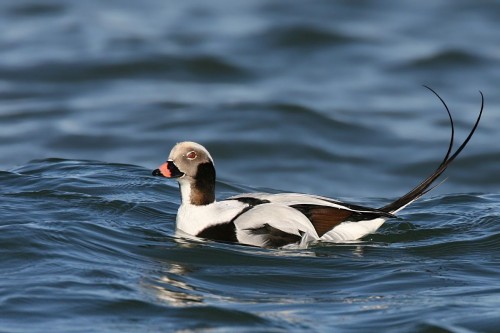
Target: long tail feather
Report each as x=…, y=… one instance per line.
x=425, y=186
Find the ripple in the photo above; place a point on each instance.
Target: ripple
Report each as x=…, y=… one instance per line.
x=468, y=247
x=36, y=9
x=305, y=36
x=445, y=59
x=195, y=68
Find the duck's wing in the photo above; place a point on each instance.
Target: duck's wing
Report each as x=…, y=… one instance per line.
x=273, y=225
x=276, y=219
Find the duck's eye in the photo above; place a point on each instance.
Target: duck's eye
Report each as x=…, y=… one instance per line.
x=191, y=155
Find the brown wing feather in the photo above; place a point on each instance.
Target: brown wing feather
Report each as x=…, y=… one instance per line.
x=325, y=218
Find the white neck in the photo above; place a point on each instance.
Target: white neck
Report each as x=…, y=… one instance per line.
x=185, y=187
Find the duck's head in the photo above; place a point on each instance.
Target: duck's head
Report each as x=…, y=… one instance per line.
x=193, y=167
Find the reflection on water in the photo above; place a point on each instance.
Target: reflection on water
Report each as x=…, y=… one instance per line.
x=170, y=288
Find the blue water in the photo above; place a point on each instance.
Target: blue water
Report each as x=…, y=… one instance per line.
x=318, y=97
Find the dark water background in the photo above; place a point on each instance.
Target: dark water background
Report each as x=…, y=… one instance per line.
x=313, y=96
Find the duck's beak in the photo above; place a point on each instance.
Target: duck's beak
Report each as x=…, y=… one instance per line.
x=168, y=170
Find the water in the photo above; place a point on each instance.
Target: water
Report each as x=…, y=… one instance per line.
x=316, y=97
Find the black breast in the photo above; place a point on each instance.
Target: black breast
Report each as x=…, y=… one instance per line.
x=223, y=232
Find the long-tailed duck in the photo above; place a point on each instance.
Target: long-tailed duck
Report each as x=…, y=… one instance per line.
x=277, y=220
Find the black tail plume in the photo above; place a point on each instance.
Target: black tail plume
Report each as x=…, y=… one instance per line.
x=425, y=186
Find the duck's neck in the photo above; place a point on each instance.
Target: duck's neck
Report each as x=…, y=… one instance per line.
x=199, y=191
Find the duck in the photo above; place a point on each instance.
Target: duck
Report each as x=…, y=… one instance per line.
x=279, y=220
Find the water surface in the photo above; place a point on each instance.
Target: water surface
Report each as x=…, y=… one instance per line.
x=315, y=97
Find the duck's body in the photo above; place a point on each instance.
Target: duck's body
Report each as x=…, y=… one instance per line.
x=275, y=220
